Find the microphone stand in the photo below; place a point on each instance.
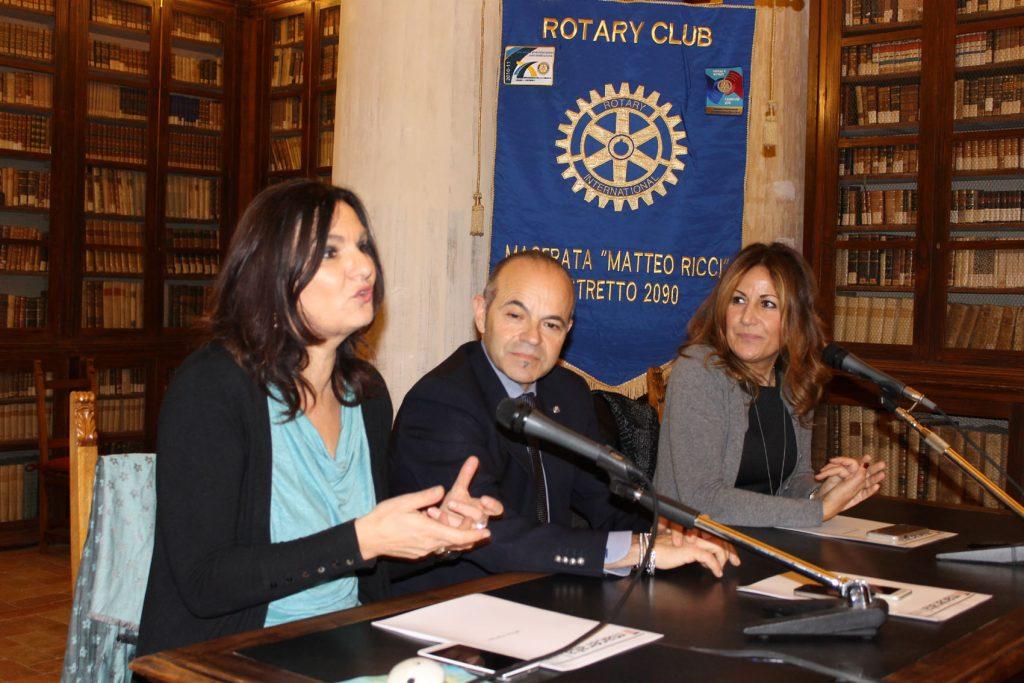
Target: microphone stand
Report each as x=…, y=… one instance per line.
x=859, y=615
x=1010, y=554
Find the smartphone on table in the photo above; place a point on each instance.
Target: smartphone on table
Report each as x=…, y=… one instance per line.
x=473, y=658
x=898, y=533
x=816, y=590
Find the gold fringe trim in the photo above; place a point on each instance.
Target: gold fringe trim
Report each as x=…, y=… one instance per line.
x=633, y=388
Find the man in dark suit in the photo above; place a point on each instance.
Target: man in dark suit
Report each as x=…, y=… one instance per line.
x=523, y=318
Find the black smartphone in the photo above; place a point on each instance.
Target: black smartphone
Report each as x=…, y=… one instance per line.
x=473, y=658
x=816, y=590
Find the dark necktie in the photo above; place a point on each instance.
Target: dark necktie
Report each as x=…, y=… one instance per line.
x=538, y=466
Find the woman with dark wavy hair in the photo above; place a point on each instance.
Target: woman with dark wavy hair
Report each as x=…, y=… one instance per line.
x=272, y=444
x=736, y=437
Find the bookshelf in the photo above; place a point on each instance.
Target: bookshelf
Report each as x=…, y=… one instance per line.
x=298, y=82
x=915, y=222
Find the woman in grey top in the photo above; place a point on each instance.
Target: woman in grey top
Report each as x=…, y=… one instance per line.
x=736, y=437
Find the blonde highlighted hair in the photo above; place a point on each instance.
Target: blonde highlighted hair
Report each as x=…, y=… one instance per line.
x=802, y=334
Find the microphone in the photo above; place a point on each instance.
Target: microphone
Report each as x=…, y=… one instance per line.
x=837, y=357
x=520, y=417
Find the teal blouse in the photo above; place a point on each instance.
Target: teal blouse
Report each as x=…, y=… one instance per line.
x=311, y=492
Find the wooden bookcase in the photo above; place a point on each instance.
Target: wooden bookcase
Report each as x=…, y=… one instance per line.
x=914, y=222
x=297, y=83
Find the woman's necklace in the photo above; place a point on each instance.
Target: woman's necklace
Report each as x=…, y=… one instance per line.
x=764, y=444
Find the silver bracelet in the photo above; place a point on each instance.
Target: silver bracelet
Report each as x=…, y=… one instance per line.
x=813, y=495
x=651, y=563
x=643, y=540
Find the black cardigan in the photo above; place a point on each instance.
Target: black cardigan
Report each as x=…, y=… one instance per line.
x=214, y=569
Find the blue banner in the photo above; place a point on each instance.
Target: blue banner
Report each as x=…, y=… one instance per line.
x=622, y=136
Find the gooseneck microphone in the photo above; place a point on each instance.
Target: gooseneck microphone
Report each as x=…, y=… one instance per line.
x=837, y=357
x=520, y=417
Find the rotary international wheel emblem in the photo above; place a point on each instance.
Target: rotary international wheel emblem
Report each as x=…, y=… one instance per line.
x=621, y=147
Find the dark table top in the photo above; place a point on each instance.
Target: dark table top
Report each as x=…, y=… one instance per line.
x=693, y=609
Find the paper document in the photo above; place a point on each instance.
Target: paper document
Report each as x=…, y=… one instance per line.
x=509, y=628
x=925, y=603
x=855, y=529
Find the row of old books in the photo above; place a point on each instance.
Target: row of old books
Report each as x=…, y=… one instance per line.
x=862, y=105
x=974, y=6
x=861, y=12
x=204, y=29
x=23, y=187
x=121, y=381
x=327, y=110
x=285, y=67
x=193, y=198
x=874, y=320
x=875, y=267
x=112, y=142
x=329, y=19
x=858, y=206
x=20, y=232
x=113, y=233
x=193, y=238
x=289, y=29
x=286, y=114
x=196, y=112
x=115, y=191
x=119, y=13
x=112, y=304
x=117, y=415
x=873, y=59
x=199, y=70
x=285, y=153
x=20, y=312
x=18, y=492
x=24, y=132
x=20, y=385
x=24, y=87
x=990, y=47
x=24, y=257
x=192, y=264
x=880, y=159
x=103, y=261
x=117, y=101
x=36, y=5
x=194, y=150
x=23, y=40
x=912, y=471
x=329, y=62
x=988, y=155
x=999, y=268
x=984, y=206
x=18, y=421
x=980, y=96
x=984, y=326
x=186, y=303
x=326, y=150
x=115, y=57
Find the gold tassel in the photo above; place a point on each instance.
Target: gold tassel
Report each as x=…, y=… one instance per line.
x=770, y=133
x=476, y=224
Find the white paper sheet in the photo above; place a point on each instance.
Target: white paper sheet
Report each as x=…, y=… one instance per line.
x=855, y=529
x=520, y=631
x=926, y=603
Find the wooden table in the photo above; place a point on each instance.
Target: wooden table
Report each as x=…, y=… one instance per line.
x=692, y=609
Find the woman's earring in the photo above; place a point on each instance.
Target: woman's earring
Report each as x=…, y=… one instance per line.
x=273, y=321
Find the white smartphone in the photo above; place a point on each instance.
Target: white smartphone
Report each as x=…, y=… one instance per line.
x=816, y=590
x=898, y=533
x=474, y=659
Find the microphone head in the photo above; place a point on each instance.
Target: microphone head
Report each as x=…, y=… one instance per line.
x=834, y=355
x=512, y=413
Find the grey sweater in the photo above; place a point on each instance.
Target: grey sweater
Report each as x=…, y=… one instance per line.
x=706, y=418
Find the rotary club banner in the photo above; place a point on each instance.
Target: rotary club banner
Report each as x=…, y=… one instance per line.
x=622, y=135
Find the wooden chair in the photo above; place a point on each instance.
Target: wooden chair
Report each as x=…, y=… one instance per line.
x=54, y=471
x=83, y=453
x=657, y=383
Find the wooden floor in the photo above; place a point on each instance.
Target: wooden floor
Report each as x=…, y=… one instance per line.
x=35, y=604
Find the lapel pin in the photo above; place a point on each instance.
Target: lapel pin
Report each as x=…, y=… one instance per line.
x=556, y=410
